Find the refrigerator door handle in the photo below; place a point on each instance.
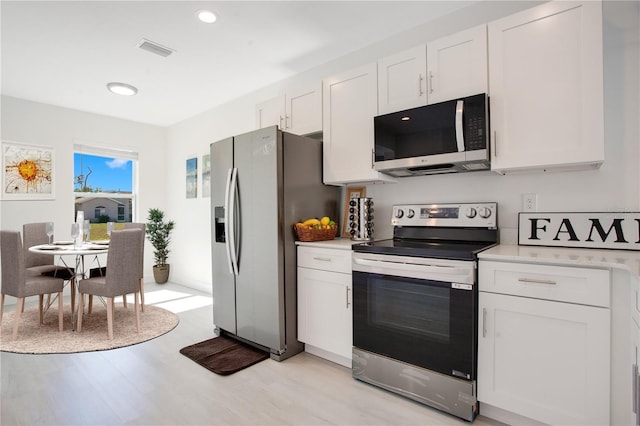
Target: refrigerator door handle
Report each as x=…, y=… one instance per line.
x=227, y=219
x=233, y=226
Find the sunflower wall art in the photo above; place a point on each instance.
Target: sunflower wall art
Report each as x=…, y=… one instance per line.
x=27, y=172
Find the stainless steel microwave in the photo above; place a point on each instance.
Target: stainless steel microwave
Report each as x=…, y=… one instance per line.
x=446, y=137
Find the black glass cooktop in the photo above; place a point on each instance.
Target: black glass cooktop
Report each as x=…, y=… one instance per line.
x=454, y=250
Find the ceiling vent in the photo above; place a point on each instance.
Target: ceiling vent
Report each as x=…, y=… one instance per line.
x=153, y=47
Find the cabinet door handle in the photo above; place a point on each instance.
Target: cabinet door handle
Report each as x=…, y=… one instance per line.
x=322, y=259
x=347, y=292
x=430, y=82
x=495, y=144
x=634, y=374
x=373, y=157
x=531, y=280
x=484, y=322
x=281, y=123
x=420, y=92
x=286, y=121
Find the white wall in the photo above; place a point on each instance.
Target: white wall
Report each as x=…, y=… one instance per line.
x=39, y=124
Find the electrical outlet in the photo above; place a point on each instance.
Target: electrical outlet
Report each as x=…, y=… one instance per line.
x=529, y=202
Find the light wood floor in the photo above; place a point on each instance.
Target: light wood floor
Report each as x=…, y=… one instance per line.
x=153, y=384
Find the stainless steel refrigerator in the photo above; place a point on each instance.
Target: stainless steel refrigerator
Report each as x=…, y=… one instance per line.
x=262, y=183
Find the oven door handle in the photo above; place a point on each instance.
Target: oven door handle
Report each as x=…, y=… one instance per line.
x=448, y=270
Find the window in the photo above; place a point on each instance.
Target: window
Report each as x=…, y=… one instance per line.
x=104, y=183
x=99, y=211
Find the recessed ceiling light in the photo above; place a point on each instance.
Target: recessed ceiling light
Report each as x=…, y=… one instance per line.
x=206, y=16
x=122, y=89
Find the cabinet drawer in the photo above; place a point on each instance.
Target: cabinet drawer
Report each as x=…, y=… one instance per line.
x=325, y=259
x=585, y=286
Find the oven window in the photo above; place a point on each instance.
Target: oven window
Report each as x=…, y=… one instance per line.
x=422, y=322
x=411, y=309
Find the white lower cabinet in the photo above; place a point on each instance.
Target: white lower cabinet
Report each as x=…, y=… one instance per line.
x=635, y=351
x=324, y=303
x=635, y=373
x=541, y=358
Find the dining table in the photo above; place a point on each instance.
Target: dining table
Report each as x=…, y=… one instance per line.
x=77, y=265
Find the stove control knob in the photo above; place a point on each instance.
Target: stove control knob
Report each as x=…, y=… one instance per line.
x=411, y=213
x=399, y=213
x=471, y=213
x=484, y=212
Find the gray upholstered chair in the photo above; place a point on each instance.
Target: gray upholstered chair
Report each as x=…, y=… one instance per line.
x=123, y=260
x=17, y=283
x=142, y=227
x=34, y=234
x=103, y=271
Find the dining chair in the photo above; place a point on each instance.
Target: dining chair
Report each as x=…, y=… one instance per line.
x=142, y=227
x=122, y=279
x=18, y=283
x=103, y=271
x=34, y=234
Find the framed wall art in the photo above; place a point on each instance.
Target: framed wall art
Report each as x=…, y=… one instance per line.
x=27, y=172
x=350, y=193
x=192, y=178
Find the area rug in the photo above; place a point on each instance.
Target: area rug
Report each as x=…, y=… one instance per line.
x=224, y=355
x=46, y=339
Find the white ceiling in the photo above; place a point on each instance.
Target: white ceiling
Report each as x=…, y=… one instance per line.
x=65, y=52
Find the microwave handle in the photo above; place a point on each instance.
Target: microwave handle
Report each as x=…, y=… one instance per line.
x=459, y=127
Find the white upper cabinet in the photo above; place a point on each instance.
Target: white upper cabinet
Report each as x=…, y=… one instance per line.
x=546, y=87
x=303, y=109
x=270, y=113
x=457, y=65
x=298, y=111
x=447, y=68
x=401, y=80
x=349, y=104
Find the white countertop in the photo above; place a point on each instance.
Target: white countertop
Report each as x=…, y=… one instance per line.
x=338, y=243
x=623, y=259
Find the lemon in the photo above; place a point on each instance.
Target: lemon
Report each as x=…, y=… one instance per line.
x=325, y=220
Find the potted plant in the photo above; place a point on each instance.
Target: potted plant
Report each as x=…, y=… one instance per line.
x=159, y=233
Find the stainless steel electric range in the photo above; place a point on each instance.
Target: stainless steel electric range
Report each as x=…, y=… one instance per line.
x=415, y=304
